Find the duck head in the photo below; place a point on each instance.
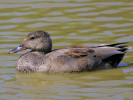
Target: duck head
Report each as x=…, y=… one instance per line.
x=36, y=41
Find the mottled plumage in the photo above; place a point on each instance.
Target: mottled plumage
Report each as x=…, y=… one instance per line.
x=66, y=60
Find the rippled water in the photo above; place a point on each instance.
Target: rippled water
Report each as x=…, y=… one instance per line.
x=69, y=22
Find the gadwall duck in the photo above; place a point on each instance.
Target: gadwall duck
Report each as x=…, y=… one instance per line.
x=42, y=58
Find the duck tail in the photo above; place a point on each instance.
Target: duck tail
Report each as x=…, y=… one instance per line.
x=122, y=47
x=116, y=44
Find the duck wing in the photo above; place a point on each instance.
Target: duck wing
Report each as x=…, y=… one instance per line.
x=71, y=60
x=79, y=58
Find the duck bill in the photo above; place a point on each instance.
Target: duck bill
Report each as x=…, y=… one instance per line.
x=18, y=49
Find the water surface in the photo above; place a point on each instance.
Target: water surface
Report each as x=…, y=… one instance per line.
x=70, y=23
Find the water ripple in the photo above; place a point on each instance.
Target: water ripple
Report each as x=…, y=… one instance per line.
x=70, y=23
x=7, y=27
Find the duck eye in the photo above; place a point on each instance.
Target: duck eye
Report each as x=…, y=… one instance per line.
x=32, y=38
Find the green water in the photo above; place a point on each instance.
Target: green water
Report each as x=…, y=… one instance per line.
x=70, y=23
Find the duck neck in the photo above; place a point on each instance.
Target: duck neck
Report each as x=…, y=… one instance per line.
x=42, y=51
x=48, y=48
x=45, y=50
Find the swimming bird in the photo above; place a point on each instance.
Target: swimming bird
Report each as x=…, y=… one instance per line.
x=42, y=58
